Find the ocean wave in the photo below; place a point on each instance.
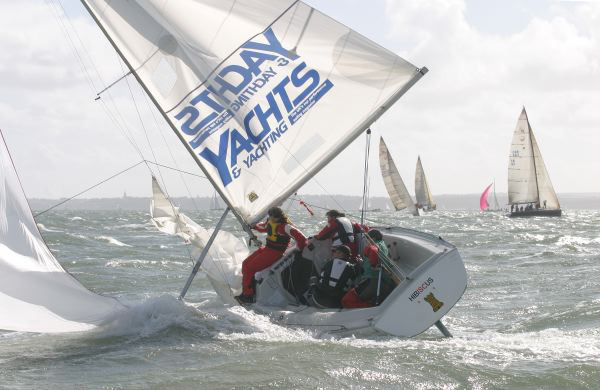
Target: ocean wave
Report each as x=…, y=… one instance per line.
x=148, y=318
x=43, y=228
x=111, y=240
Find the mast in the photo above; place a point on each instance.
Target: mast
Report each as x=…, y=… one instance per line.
x=533, y=157
x=245, y=226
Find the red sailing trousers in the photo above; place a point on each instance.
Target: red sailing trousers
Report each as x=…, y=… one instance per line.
x=261, y=258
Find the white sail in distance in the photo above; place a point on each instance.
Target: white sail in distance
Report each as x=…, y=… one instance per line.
x=393, y=181
x=546, y=194
x=36, y=293
x=528, y=179
x=522, y=186
x=263, y=93
x=422, y=191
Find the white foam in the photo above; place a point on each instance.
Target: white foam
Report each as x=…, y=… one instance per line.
x=43, y=228
x=77, y=219
x=148, y=317
x=111, y=240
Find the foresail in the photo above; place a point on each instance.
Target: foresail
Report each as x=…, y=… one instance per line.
x=223, y=264
x=36, y=294
x=483, y=200
x=422, y=191
x=393, y=182
x=547, y=196
x=522, y=186
x=263, y=93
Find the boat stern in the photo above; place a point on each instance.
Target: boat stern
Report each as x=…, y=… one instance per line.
x=425, y=297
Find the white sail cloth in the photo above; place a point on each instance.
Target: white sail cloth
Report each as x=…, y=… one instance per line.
x=36, y=294
x=263, y=93
x=223, y=263
x=393, y=182
x=422, y=191
x=528, y=179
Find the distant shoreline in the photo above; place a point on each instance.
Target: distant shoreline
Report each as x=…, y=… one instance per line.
x=568, y=201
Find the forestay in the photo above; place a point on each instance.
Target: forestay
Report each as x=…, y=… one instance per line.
x=422, y=192
x=522, y=186
x=263, y=93
x=36, y=294
x=393, y=181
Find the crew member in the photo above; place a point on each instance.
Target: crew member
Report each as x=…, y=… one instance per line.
x=335, y=280
x=341, y=230
x=279, y=232
x=365, y=294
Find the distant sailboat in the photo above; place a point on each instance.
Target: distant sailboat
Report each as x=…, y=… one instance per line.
x=530, y=191
x=214, y=203
x=393, y=182
x=483, y=200
x=422, y=191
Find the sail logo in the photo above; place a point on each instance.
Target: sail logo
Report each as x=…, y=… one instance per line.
x=249, y=104
x=419, y=290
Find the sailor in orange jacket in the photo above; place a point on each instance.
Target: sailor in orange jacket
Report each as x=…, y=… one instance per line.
x=279, y=233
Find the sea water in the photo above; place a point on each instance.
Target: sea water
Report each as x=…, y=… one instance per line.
x=529, y=318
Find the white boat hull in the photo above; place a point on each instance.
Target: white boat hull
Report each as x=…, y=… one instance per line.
x=428, y=292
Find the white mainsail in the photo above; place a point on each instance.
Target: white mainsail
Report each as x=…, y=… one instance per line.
x=263, y=93
x=393, y=182
x=528, y=179
x=422, y=191
x=522, y=187
x=36, y=293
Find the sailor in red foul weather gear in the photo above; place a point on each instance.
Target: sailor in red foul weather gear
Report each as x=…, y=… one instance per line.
x=279, y=233
x=341, y=230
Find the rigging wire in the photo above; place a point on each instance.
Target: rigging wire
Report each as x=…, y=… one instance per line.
x=89, y=188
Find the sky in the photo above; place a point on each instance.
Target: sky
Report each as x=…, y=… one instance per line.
x=487, y=59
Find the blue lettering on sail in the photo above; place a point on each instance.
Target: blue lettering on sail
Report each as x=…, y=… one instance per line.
x=218, y=122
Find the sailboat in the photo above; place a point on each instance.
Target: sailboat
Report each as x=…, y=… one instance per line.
x=263, y=94
x=393, y=182
x=214, y=202
x=422, y=191
x=484, y=205
x=530, y=191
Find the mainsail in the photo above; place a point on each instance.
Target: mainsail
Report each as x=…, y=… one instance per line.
x=528, y=180
x=422, y=191
x=263, y=93
x=393, y=182
x=36, y=293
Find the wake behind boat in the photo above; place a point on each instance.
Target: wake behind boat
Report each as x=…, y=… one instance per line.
x=530, y=191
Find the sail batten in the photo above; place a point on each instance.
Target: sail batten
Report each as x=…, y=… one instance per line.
x=253, y=88
x=393, y=181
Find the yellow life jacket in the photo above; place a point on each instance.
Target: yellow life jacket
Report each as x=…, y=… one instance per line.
x=274, y=240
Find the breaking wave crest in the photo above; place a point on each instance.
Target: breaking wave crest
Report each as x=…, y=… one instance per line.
x=111, y=240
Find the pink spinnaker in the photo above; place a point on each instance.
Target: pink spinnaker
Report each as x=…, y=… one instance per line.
x=483, y=202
